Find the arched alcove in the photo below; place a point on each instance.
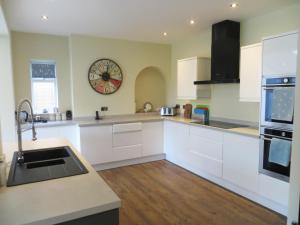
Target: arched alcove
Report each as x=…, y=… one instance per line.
x=150, y=87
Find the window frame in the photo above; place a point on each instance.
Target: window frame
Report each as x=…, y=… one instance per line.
x=46, y=80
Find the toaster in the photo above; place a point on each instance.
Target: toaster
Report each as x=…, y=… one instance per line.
x=168, y=111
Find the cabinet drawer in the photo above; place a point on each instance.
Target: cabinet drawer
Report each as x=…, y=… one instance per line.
x=206, y=164
x=127, y=127
x=127, y=152
x=127, y=139
x=274, y=189
x=204, y=146
x=207, y=133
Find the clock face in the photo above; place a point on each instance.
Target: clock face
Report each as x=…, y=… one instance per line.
x=105, y=76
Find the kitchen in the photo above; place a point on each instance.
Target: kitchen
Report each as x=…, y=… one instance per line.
x=146, y=147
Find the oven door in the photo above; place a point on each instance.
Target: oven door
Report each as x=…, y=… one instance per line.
x=268, y=105
x=272, y=169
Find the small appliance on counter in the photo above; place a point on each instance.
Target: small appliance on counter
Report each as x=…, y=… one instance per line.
x=69, y=115
x=188, y=111
x=168, y=111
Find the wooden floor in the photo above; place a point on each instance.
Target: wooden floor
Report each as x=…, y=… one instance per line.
x=161, y=193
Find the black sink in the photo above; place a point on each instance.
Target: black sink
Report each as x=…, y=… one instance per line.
x=44, y=164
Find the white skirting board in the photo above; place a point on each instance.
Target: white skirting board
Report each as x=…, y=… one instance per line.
x=281, y=209
x=129, y=162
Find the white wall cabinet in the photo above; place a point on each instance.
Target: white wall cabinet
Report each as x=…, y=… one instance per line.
x=188, y=71
x=153, y=138
x=241, y=161
x=251, y=73
x=205, y=150
x=280, y=55
x=96, y=144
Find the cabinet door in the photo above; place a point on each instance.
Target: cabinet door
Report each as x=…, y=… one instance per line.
x=241, y=161
x=96, y=144
x=251, y=73
x=153, y=138
x=176, y=138
x=205, y=150
x=186, y=75
x=280, y=55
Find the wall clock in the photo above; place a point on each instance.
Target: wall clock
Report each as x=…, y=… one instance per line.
x=105, y=76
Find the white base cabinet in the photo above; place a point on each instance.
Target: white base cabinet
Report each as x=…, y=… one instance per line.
x=68, y=132
x=241, y=161
x=127, y=141
x=96, y=144
x=205, y=150
x=112, y=143
x=176, y=140
x=227, y=159
x=274, y=189
x=153, y=138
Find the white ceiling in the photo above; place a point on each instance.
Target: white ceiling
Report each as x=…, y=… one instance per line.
x=143, y=20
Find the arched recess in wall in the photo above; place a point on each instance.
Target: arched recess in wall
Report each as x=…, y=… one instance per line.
x=150, y=86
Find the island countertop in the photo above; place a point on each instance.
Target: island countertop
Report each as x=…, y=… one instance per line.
x=58, y=200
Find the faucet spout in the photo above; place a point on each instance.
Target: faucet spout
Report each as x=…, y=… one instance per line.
x=20, y=156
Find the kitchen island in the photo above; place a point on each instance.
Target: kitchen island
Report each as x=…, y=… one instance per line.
x=81, y=199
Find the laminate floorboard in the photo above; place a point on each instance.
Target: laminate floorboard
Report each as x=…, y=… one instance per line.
x=161, y=193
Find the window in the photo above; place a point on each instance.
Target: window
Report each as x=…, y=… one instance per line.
x=43, y=86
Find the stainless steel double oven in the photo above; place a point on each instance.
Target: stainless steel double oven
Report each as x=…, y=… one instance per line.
x=277, y=117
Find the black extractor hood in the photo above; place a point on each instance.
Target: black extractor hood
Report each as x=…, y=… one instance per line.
x=225, y=53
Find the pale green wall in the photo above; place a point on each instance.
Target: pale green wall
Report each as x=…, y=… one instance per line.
x=150, y=86
x=131, y=56
x=225, y=98
x=28, y=46
x=75, y=54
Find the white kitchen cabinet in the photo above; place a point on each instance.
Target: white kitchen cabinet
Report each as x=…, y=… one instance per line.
x=153, y=138
x=280, y=55
x=127, y=141
x=251, y=73
x=176, y=138
x=205, y=148
x=241, y=161
x=96, y=144
x=274, y=189
x=68, y=132
x=188, y=71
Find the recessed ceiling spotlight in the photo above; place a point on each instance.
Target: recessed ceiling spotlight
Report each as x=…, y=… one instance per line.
x=234, y=5
x=44, y=17
x=165, y=34
x=192, y=22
